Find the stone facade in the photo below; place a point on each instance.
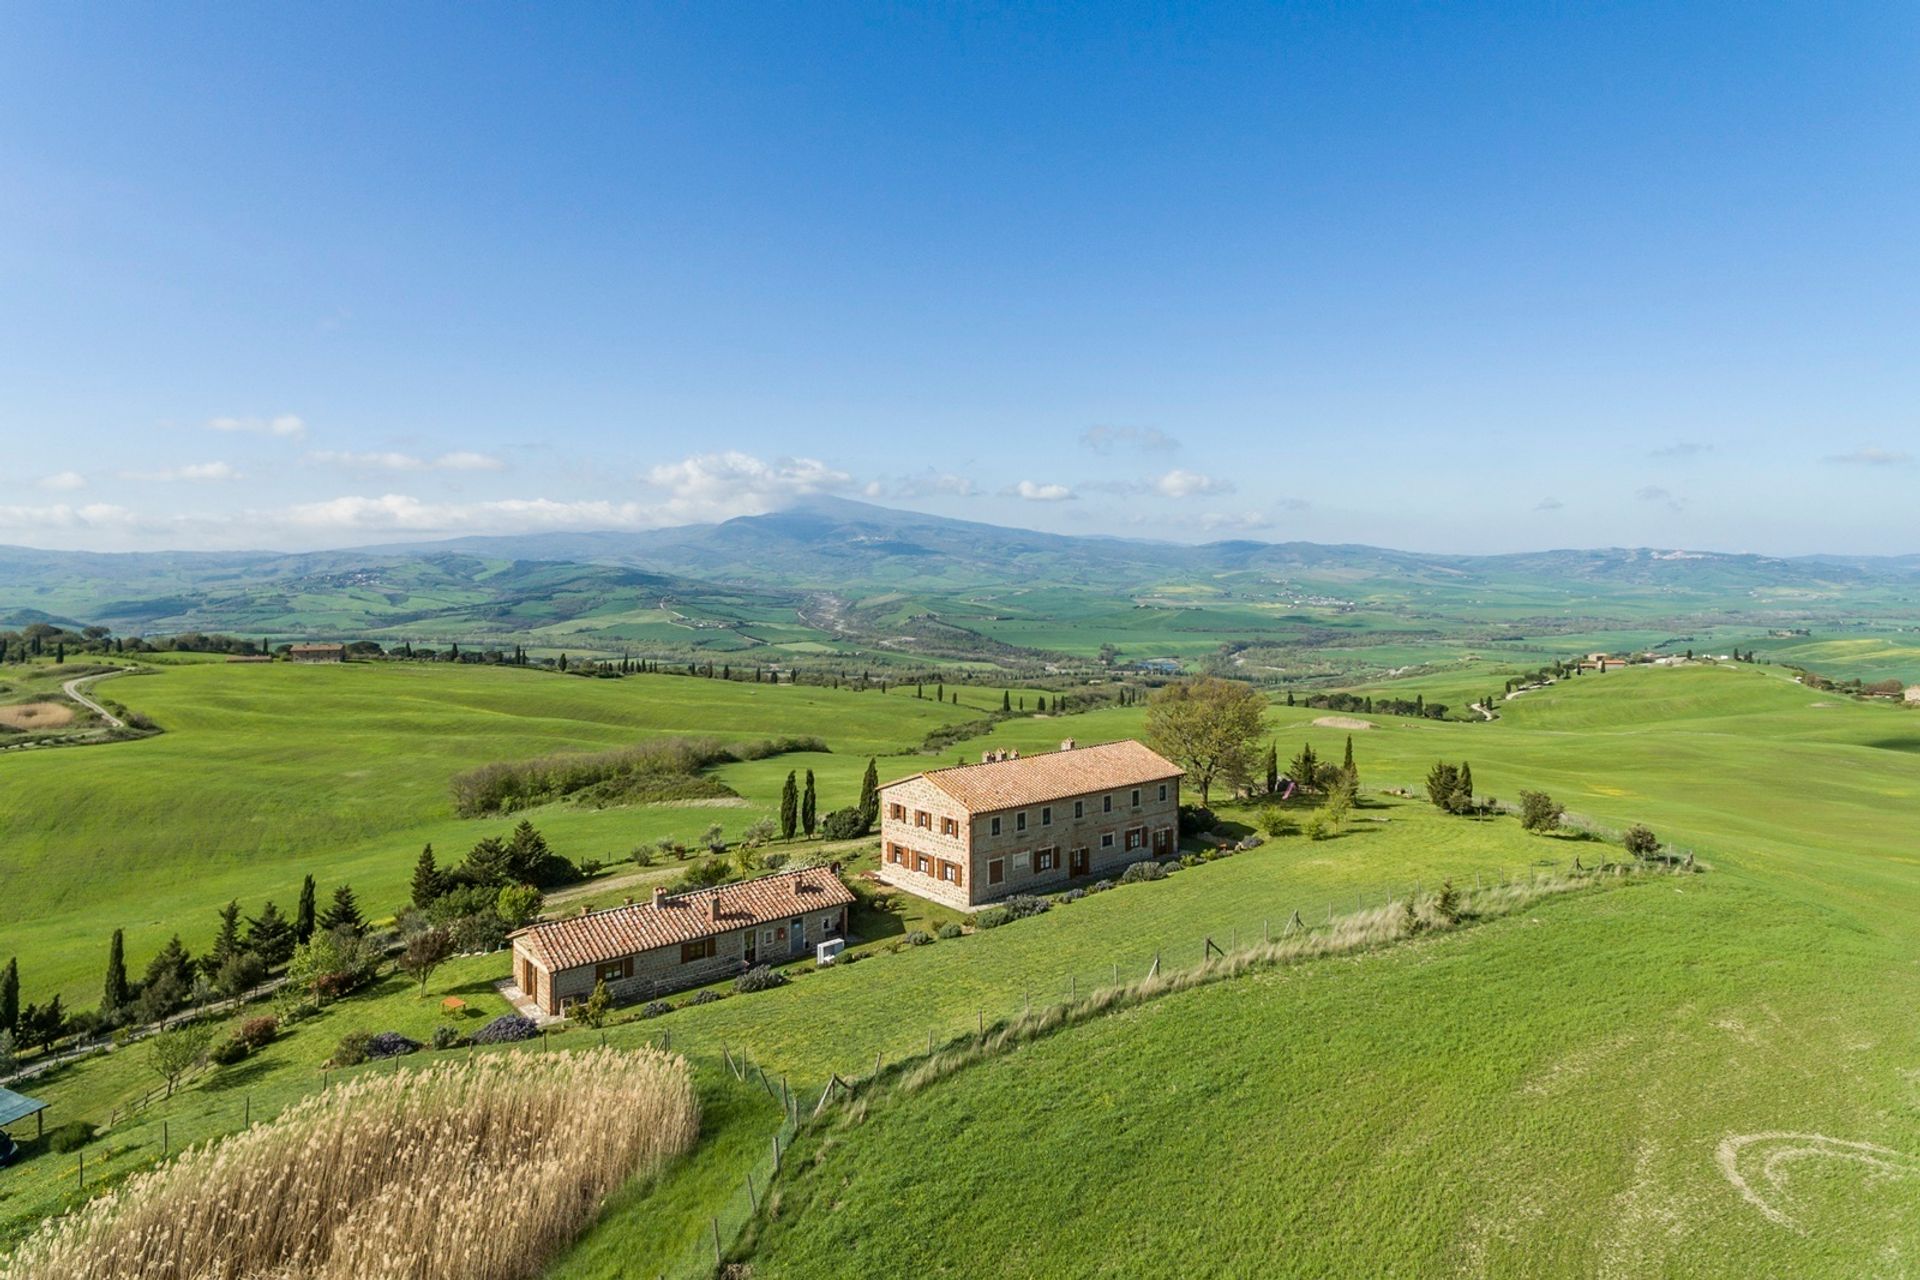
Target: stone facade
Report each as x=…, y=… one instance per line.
x=934, y=845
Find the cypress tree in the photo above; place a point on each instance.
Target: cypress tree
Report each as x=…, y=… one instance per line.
x=115, y=993
x=1466, y=780
x=427, y=884
x=1006, y=700
x=226, y=943
x=1289, y=697
x=343, y=912
x=789, y=807
x=870, y=793
x=1041, y=704
x=1273, y=768
x=303, y=914
x=1347, y=765
x=940, y=692
x=10, y=995
x=808, y=806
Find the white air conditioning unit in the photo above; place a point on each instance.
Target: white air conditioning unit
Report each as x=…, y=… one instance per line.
x=828, y=951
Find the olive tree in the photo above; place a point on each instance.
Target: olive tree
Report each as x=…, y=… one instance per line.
x=1208, y=726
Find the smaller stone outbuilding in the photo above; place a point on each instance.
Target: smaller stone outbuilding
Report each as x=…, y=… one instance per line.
x=676, y=941
x=317, y=652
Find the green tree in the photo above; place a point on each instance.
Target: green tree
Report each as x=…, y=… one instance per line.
x=427, y=882
x=226, y=943
x=10, y=995
x=809, y=806
x=270, y=937
x=870, y=793
x=303, y=917
x=1347, y=766
x=174, y=1052
x=594, y=1012
x=518, y=904
x=790, y=807
x=527, y=854
x=1304, y=768
x=1273, y=767
x=343, y=912
x=1466, y=783
x=1539, y=812
x=488, y=863
x=1208, y=726
x=1640, y=841
x=167, y=983
x=115, y=993
x=1443, y=787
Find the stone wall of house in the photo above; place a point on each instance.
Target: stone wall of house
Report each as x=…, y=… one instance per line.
x=917, y=795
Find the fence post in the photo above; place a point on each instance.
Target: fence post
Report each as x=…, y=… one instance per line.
x=83, y=1169
x=753, y=1201
x=248, y=1122
x=1266, y=929
x=716, y=1240
x=776, y=1153
x=163, y=1139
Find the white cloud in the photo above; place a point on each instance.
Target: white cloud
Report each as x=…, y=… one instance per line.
x=285, y=425
x=403, y=513
x=1103, y=439
x=458, y=461
x=94, y=516
x=1548, y=504
x=1179, y=483
x=1871, y=457
x=192, y=471
x=1245, y=521
x=720, y=486
x=62, y=481
x=1032, y=491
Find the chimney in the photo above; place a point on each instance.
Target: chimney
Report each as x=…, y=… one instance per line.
x=586, y=911
x=659, y=895
x=1014, y=754
x=1066, y=744
x=986, y=757
x=834, y=867
x=713, y=907
x=628, y=900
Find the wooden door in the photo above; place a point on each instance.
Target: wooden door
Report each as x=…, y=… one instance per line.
x=1080, y=862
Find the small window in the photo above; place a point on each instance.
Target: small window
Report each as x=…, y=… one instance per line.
x=1020, y=821
x=1079, y=808
x=1136, y=837
x=1163, y=791
x=614, y=970
x=921, y=818
x=702, y=950
x=1046, y=815
x=950, y=826
x=1106, y=804
x=1136, y=797
x=926, y=866
x=996, y=826
x=1046, y=859
x=766, y=937
x=997, y=871
x=1106, y=841
x=898, y=812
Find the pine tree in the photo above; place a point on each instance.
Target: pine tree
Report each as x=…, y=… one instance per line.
x=789, y=807
x=115, y=993
x=226, y=943
x=343, y=912
x=809, y=803
x=527, y=853
x=269, y=936
x=10, y=995
x=1305, y=768
x=427, y=883
x=870, y=793
x=488, y=863
x=303, y=914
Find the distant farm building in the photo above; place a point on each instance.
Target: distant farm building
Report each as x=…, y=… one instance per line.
x=1602, y=662
x=970, y=834
x=1913, y=693
x=317, y=652
x=679, y=940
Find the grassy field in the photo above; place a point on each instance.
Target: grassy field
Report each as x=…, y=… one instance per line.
x=1542, y=1095
x=1558, y=1094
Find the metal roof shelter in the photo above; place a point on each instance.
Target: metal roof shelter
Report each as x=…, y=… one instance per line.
x=18, y=1106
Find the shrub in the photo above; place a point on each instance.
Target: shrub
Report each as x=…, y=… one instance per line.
x=257, y=1032
x=774, y=861
x=844, y=824
x=705, y=997
x=1189, y=860
x=992, y=918
x=1073, y=895
x=1315, y=827
x=1539, y=811
x=1276, y=823
x=391, y=1044
x=352, y=1049
x=1143, y=871
x=1196, y=820
x=505, y=1029
x=1640, y=841
x=71, y=1136
x=1171, y=867
x=1208, y=854
x=229, y=1051
x=447, y=1038
x=654, y=1008
x=759, y=978
x=642, y=856
x=950, y=930
x=918, y=938
x=1018, y=907
x=1100, y=886
x=1447, y=903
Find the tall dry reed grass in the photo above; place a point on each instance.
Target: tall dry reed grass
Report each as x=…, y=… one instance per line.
x=473, y=1170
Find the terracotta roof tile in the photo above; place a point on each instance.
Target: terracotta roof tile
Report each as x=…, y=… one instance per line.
x=1052, y=775
x=598, y=936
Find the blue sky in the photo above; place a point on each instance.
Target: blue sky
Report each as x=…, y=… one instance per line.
x=1441, y=277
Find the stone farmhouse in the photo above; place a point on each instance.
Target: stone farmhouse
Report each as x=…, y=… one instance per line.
x=679, y=940
x=968, y=835
x=317, y=652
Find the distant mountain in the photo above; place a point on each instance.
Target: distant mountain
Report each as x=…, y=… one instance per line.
x=628, y=581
